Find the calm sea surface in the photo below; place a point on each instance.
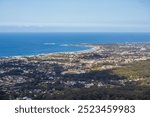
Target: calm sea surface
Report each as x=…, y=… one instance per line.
x=18, y=44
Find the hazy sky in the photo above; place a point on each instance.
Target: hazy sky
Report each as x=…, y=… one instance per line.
x=75, y=15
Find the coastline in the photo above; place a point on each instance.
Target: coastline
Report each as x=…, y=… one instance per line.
x=50, y=43
x=90, y=46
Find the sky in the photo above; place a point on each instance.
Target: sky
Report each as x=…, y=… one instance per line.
x=75, y=15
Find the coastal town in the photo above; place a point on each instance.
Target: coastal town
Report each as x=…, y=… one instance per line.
x=105, y=68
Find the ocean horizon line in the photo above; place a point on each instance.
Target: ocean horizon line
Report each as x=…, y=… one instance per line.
x=69, y=32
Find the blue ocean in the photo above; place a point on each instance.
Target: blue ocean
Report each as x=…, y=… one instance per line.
x=24, y=44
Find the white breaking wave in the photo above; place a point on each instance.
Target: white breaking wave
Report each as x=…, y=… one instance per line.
x=64, y=45
x=49, y=43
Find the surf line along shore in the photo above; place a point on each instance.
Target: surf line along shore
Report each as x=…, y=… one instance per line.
x=91, y=48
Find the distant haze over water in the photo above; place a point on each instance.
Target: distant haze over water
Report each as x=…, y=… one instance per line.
x=23, y=44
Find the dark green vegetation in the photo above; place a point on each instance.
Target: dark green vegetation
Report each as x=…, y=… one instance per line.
x=94, y=93
x=137, y=70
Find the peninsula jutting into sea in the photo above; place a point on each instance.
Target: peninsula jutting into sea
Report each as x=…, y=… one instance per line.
x=106, y=71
